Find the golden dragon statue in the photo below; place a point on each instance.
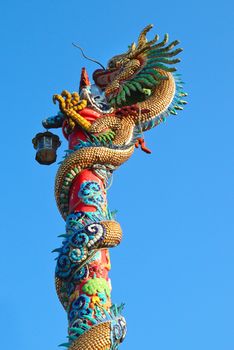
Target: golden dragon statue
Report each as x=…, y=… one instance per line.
x=103, y=124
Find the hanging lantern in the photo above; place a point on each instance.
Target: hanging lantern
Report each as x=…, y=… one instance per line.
x=46, y=145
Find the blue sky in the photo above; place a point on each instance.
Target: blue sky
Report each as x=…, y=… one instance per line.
x=174, y=268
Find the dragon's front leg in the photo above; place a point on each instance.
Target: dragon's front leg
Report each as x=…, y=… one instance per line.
x=70, y=105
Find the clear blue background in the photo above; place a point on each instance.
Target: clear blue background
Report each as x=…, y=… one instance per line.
x=174, y=268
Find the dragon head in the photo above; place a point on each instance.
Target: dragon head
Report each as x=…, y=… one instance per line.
x=131, y=77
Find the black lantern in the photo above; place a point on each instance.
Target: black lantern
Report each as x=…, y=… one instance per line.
x=46, y=145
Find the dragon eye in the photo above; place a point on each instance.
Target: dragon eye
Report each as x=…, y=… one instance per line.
x=111, y=64
x=118, y=64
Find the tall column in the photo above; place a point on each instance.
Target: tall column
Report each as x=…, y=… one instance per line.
x=82, y=281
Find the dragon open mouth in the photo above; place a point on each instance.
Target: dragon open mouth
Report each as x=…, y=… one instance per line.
x=103, y=77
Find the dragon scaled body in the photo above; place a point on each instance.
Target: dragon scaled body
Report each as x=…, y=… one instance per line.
x=103, y=123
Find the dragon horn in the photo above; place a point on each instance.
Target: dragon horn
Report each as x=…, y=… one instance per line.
x=142, y=37
x=142, y=40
